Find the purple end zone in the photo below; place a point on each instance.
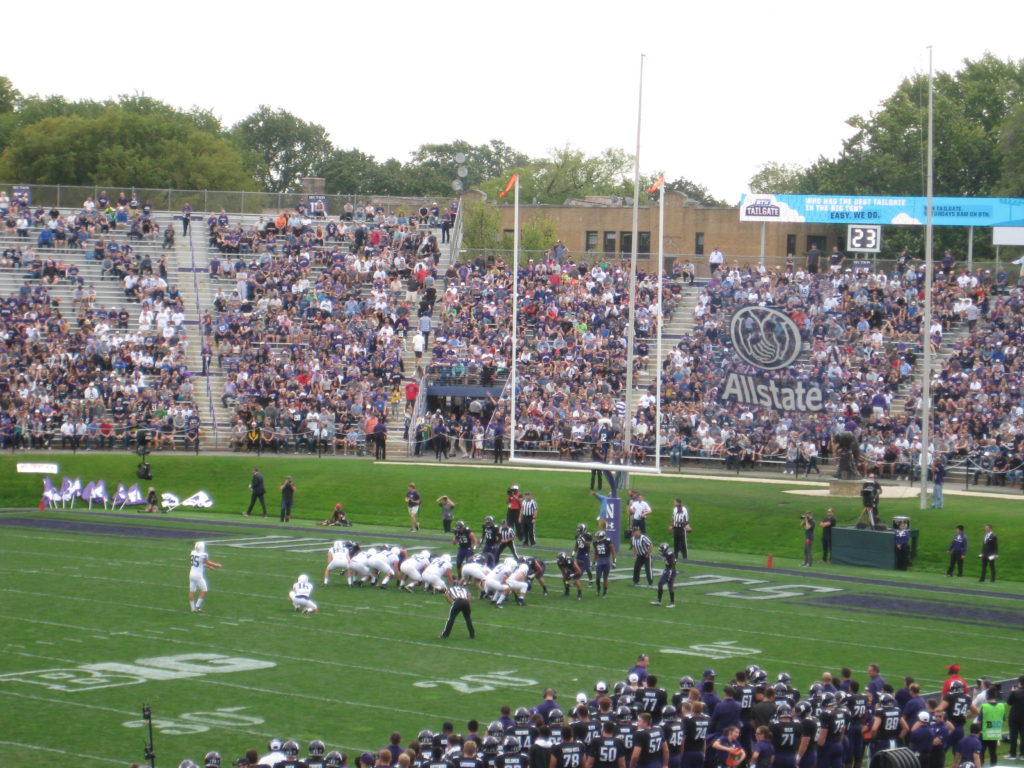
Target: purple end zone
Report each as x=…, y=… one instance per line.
x=941, y=610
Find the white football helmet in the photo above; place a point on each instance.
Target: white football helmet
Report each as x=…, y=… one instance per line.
x=339, y=544
x=200, y=547
x=510, y=564
x=371, y=551
x=447, y=558
x=303, y=579
x=425, y=554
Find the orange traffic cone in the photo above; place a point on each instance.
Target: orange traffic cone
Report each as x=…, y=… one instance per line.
x=771, y=559
x=42, y=504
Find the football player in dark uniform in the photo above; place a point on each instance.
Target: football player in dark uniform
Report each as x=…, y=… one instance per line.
x=489, y=538
x=604, y=555
x=625, y=729
x=888, y=728
x=291, y=756
x=317, y=749
x=830, y=736
x=674, y=735
x=695, y=731
x=537, y=569
x=465, y=539
x=857, y=704
x=511, y=755
x=570, y=752
x=650, y=750
x=958, y=707
x=668, y=577
x=606, y=751
x=683, y=694
x=806, y=754
x=468, y=759
x=524, y=731
x=785, y=736
x=570, y=573
x=489, y=751
x=581, y=550
x=652, y=699
x=744, y=692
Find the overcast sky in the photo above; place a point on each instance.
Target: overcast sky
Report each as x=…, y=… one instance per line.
x=727, y=85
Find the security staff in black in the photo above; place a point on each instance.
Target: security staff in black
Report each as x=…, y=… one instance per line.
x=458, y=596
x=680, y=527
x=642, y=546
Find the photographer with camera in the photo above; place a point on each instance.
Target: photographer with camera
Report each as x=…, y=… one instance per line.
x=807, y=523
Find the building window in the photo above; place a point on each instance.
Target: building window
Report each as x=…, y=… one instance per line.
x=698, y=245
x=609, y=242
x=791, y=244
x=591, y=243
x=644, y=245
x=626, y=242
x=816, y=241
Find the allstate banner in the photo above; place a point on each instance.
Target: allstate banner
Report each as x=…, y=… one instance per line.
x=878, y=209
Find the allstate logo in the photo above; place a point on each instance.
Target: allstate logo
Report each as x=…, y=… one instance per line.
x=765, y=337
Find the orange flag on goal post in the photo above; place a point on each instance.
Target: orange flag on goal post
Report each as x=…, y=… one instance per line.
x=657, y=184
x=511, y=183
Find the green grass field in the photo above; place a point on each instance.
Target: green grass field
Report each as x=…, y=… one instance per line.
x=96, y=619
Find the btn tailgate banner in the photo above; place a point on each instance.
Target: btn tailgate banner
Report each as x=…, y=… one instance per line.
x=874, y=209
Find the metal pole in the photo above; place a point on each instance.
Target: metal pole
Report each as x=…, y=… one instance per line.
x=764, y=234
x=627, y=427
x=926, y=374
x=515, y=323
x=661, y=317
x=970, y=249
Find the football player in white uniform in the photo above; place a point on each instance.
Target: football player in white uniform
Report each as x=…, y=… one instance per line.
x=337, y=558
x=518, y=581
x=359, y=566
x=495, y=584
x=300, y=595
x=385, y=565
x=475, y=571
x=412, y=570
x=198, y=560
x=438, y=574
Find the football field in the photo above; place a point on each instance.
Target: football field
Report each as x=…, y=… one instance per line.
x=96, y=624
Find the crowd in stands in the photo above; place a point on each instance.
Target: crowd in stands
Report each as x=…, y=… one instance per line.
x=863, y=333
x=311, y=317
x=77, y=376
x=311, y=328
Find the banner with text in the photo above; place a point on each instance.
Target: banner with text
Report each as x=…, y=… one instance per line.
x=876, y=209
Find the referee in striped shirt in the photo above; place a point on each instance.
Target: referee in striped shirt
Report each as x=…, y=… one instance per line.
x=459, y=598
x=642, y=546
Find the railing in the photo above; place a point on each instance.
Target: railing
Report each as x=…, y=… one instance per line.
x=234, y=201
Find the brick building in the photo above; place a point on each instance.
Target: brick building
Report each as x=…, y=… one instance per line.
x=604, y=225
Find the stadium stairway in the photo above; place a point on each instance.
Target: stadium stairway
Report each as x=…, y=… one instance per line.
x=680, y=325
